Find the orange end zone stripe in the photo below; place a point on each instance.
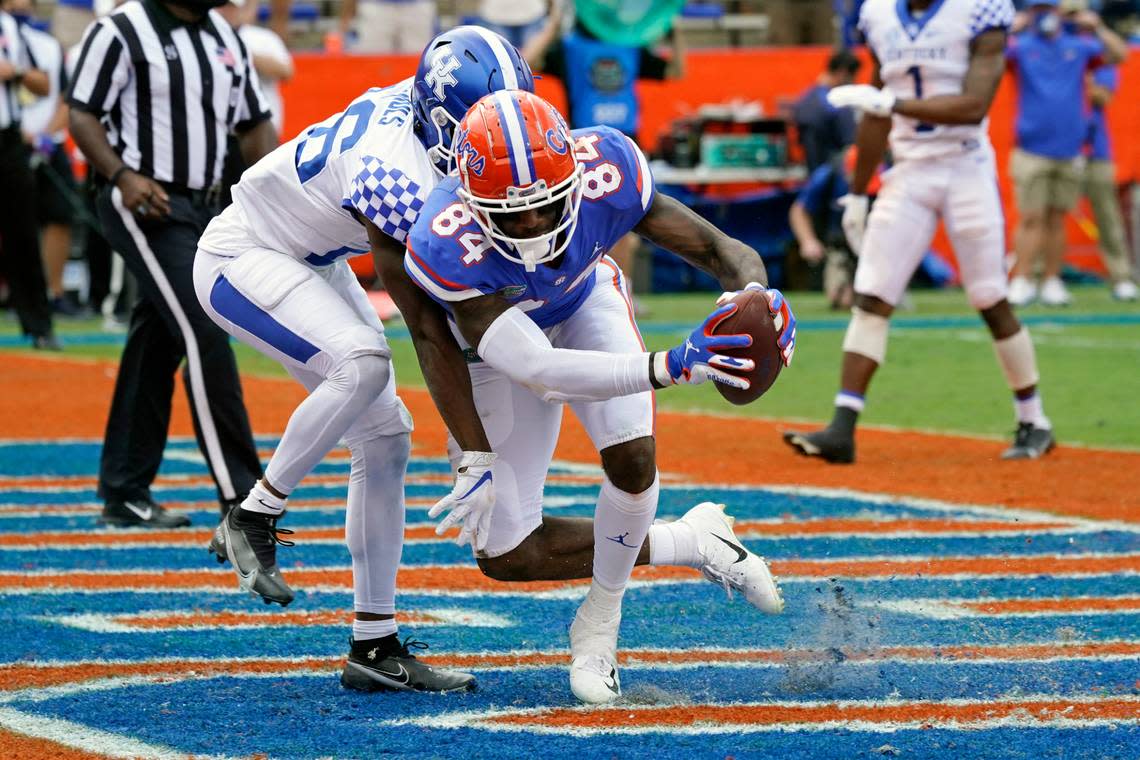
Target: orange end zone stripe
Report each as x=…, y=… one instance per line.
x=427, y=532
x=32, y=748
x=911, y=712
x=23, y=675
x=20, y=483
x=469, y=578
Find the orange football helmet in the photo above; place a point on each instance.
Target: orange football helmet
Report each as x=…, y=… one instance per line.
x=514, y=152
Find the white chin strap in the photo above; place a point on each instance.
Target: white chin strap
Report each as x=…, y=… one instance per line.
x=531, y=253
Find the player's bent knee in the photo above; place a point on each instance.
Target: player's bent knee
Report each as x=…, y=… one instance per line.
x=631, y=466
x=365, y=375
x=519, y=564
x=986, y=294
x=867, y=335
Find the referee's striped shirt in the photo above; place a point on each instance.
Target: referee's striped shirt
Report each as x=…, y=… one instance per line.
x=169, y=91
x=14, y=50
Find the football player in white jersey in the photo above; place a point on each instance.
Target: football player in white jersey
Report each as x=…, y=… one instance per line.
x=271, y=271
x=936, y=67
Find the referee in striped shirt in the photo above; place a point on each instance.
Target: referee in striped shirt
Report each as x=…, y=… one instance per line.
x=159, y=86
x=19, y=232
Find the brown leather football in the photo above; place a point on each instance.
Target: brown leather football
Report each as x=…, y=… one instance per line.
x=753, y=318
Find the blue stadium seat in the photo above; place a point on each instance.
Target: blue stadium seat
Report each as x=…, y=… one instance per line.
x=305, y=12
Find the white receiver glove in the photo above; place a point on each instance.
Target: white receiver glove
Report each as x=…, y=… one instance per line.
x=862, y=97
x=854, y=220
x=471, y=500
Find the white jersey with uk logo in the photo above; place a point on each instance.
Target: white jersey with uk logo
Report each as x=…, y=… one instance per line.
x=927, y=53
x=301, y=198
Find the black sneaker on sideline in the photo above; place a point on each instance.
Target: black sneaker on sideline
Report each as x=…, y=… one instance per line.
x=1030, y=442
x=385, y=664
x=827, y=444
x=140, y=513
x=249, y=540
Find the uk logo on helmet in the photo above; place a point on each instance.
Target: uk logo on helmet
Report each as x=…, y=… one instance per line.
x=441, y=75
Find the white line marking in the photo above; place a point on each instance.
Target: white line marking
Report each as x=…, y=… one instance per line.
x=81, y=737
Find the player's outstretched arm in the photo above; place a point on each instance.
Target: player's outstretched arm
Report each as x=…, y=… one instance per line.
x=472, y=499
x=677, y=228
x=512, y=343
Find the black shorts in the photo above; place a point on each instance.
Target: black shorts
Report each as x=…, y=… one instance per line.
x=53, y=201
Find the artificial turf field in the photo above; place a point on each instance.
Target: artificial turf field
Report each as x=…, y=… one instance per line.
x=940, y=603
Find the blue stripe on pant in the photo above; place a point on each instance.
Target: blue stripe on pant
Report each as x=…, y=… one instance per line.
x=244, y=313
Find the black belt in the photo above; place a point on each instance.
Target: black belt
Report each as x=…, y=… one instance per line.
x=207, y=196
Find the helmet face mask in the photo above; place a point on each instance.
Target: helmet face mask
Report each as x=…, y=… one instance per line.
x=560, y=203
x=513, y=154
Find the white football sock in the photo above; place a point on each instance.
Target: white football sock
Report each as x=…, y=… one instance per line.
x=1032, y=410
x=621, y=522
x=261, y=500
x=673, y=543
x=373, y=629
x=374, y=523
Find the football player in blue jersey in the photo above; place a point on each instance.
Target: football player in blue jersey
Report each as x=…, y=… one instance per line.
x=514, y=247
x=271, y=271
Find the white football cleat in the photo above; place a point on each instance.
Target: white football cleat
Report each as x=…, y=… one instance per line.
x=1125, y=290
x=1022, y=291
x=725, y=562
x=1054, y=293
x=593, y=651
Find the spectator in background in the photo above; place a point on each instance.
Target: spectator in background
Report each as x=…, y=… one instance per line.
x=19, y=237
x=69, y=19
x=816, y=217
x=1050, y=62
x=1100, y=176
x=388, y=26
x=801, y=22
x=268, y=52
x=516, y=20
x=44, y=125
x=600, y=79
x=825, y=130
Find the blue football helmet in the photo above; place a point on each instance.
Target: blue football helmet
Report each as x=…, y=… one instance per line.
x=456, y=69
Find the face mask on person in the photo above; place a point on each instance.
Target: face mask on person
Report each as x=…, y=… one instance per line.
x=1047, y=23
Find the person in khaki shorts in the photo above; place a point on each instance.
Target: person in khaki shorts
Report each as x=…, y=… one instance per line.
x=1050, y=58
x=1099, y=186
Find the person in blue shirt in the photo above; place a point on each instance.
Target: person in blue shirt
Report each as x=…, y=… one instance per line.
x=514, y=247
x=1100, y=185
x=1049, y=59
x=823, y=129
x=600, y=79
x=815, y=219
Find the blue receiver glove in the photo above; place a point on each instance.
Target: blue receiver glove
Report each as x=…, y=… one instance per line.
x=696, y=360
x=782, y=316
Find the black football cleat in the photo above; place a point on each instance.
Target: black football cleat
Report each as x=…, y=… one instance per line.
x=249, y=541
x=827, y=444
x=140, y=513
x=1030, y=442
x=387, y=665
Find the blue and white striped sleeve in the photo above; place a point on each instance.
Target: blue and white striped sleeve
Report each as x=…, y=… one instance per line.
x=386, y=197
x=990, y=14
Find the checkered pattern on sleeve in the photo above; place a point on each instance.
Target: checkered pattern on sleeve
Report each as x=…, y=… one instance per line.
x=387, y=197
x=990, y=14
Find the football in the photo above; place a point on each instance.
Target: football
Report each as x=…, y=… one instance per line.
x=753, y=318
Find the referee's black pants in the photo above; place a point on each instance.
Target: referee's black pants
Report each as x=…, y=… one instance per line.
x=19, y=236
x=168, y=326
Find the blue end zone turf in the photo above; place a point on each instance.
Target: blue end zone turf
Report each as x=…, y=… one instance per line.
x=993, y=649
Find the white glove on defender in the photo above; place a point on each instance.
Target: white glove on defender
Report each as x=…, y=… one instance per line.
x=471, y=500
x=854, y=220
x=862, y=97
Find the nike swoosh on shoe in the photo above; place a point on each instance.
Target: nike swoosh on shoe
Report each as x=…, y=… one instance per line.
x=401, y=676
x=143, y=514
x=741, y=554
